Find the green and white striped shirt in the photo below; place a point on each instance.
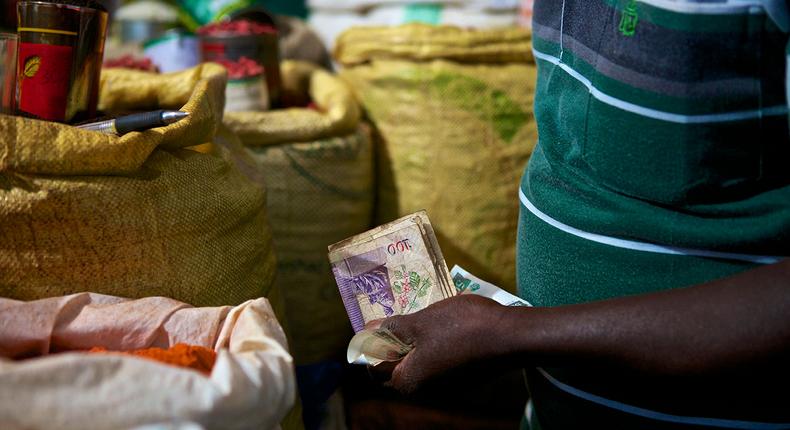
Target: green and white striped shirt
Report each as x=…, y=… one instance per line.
x=663, y=162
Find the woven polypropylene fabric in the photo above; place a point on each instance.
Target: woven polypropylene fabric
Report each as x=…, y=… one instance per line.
x=453, y=109
x=138, y=215
x=421, y=42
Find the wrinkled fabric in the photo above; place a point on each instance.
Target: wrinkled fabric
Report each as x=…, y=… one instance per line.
x=252, y=385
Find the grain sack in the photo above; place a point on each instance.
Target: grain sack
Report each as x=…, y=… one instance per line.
x=138, y=215
x=453, y=109
x=318, y=168
x=330, y=18
x=251, y=384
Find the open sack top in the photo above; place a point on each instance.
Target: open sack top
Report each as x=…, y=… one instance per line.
x=422, y=42
x=337, y=112
x=41, y=147
x=251, y=385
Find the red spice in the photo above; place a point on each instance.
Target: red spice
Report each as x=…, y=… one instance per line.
x=241, y=68
x=241, y=27
x=193, y=357
x=129, y=62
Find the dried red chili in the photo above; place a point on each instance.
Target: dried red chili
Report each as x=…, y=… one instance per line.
x=240, y=27
x=242, y=68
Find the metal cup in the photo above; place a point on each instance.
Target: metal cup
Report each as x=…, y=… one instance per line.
x=8, y=48
x=263, y=48
x=61, y=48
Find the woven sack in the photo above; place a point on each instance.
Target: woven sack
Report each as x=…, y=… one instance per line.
x=453, y=109
x=251, y=386
x=318, y=169
x=138, y=215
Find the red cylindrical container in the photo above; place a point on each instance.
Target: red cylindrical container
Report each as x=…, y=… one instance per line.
x=61, y=47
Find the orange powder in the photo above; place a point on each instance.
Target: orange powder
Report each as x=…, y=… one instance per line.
x=193, y=357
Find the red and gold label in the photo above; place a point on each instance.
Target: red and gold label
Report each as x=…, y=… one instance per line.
x=44, y=75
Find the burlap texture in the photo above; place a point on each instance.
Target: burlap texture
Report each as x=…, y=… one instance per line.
x=319, y=176
x=453, y=111
x=421, y=42
x=138, y=215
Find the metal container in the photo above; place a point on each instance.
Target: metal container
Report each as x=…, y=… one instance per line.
x=8, y=48
x=271, y=54
x=246, y=95
x=263, y=48
x=61, y=48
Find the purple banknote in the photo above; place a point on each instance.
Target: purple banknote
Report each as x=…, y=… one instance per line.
x=395, y=269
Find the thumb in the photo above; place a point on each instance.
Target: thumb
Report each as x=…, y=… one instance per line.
x=374, y=324
x=402, y=326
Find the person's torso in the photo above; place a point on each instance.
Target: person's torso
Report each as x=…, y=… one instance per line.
x=664, y=140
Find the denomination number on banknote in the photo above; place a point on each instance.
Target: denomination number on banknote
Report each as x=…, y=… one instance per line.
x=399, y=246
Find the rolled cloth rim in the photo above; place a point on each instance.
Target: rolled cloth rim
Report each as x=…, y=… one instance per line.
x=338, y=115
x=421, y=42
x=42, y=147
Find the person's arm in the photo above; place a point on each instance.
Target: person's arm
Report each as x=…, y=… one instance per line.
x=705, y=330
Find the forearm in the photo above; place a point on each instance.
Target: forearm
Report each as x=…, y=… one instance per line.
x=717, y=327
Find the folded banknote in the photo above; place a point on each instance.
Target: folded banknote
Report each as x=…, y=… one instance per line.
x=394, y=269
x=373, y=347
x=467, y=283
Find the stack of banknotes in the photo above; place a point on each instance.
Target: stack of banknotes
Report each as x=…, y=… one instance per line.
x=394, y=269
x=397, y=269
x=375, y=346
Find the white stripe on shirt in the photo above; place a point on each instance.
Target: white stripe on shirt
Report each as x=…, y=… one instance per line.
x=660, y=416
x=777, y=10
x=657, y=114
x=643, y=246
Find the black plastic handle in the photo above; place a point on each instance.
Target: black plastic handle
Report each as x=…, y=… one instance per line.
x=139, y=121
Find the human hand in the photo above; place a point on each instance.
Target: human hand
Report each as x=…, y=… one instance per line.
x=448, y=334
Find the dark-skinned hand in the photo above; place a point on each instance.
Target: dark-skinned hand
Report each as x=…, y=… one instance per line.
x=446, y=335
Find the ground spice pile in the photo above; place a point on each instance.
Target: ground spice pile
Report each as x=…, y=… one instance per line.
x=192, y=357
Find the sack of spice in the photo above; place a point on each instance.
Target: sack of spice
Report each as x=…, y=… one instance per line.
x=138, y=215
x=317, y=163
x=50, y=380
x=318, y=168
x=453, y=108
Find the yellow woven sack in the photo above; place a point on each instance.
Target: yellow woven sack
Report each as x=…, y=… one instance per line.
x=318, y=169
x=137, y=215
x=453, y=109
